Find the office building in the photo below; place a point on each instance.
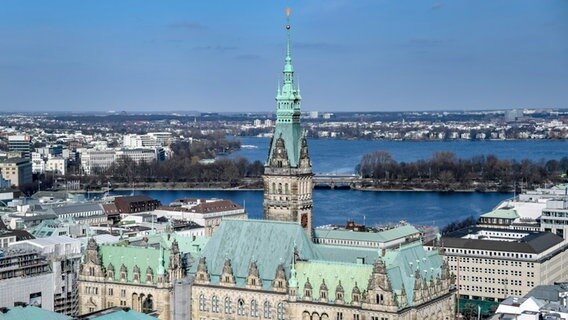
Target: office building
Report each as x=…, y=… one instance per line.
x=17, y=170
x=492, y=264
x=21, y=144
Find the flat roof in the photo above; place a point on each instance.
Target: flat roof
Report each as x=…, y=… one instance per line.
x=531, y=242
x=381, y=236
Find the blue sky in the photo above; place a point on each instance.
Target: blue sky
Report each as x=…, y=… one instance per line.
x=219, y=55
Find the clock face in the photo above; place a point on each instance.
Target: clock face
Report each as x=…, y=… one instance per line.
x=304, y=220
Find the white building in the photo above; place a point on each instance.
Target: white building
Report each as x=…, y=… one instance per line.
x=56, y=165
x=207, y=213
x=41, y=272
x=93, y=160
x=492, y=264
x=141, y=154
x=547, y=302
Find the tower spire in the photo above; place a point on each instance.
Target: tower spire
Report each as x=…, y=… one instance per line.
x=288, y=163
x=288, y=65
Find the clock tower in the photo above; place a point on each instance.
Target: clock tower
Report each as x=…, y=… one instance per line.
x=288, y=171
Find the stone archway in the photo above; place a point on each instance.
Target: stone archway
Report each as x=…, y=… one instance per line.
x=148, y=304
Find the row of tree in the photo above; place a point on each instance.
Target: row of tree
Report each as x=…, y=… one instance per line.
x=185, y=166
x=446, y=169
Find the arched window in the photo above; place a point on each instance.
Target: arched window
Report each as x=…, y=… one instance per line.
x=254, y=308
x=227, y=305
x=134, y=301
x=241, y=307
x=148, y=304
x=215, y=304
x=280, y=311
x=379, y=298
x=201, y=303
x=267, y=311
x=273, y=187
x=91, y=271
x=286, y=188
x=280, y=188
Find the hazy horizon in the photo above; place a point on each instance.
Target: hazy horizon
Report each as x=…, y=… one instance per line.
x=218, y=56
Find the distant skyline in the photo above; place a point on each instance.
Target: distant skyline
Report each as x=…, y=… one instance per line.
x=227, y=56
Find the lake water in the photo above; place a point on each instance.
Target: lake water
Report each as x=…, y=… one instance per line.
x=336, y=206
x=341, y=156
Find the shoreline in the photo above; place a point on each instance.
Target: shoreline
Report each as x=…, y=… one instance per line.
x=261, y=189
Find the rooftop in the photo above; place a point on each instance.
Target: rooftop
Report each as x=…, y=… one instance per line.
x=503, y=213
x=30, y=313
x=494, y=239
x=116, y=313
x=382, y=236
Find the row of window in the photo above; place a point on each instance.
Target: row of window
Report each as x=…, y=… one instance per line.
x=489, y=253
x=491, y=290
x=241, y=307
x=492, y=271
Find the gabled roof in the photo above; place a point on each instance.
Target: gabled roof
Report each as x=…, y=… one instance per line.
x=332, y=272
x=403, y=262
x=147, y=254
x=83, y=207
x=269, y=243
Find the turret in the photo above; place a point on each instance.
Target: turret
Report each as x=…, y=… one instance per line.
x=279, y=284
x=253, y=279
x=202, y=275
x=227, y=277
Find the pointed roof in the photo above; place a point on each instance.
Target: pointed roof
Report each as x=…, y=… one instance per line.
x=288, y=110
x=403, y=263
x=268, y=243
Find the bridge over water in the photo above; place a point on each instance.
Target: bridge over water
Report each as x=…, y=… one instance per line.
x=339, y=181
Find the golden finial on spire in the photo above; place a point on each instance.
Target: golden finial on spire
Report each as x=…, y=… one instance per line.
x=288, y=12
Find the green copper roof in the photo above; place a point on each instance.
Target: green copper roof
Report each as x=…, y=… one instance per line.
x=157, y=251
x=32, y=313
x=383, y=236
x=402, y=263
x=346, y=254
x=502, y=214
x=121, y=314
x=288, y=111
x=269, y=243
x=332, y=272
